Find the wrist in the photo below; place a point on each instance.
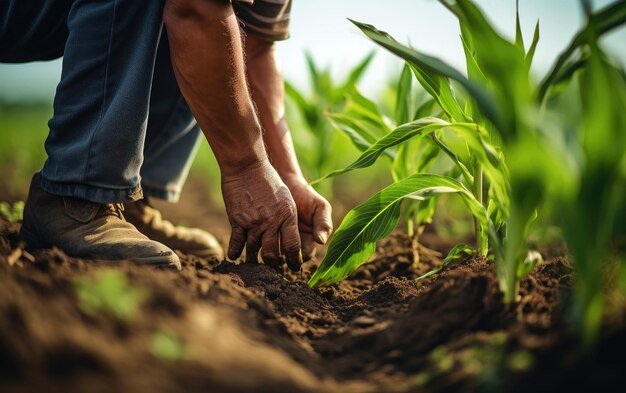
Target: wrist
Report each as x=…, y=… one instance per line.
x=244, y=166
x=294, y=180
x=240, y=151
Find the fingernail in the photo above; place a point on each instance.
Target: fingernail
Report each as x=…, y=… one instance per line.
x=297, y=265
x=321, y=237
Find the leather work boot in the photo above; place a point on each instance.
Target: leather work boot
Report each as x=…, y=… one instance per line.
x=194, y=241
x=88, y=230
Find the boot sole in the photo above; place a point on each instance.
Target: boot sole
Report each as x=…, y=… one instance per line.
x=31, y=240
x=158, y=261
x=32, y=244
x=201, y=253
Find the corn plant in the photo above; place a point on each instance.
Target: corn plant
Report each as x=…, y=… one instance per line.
x=363, y=121
x=589, y=210
x=511, y=161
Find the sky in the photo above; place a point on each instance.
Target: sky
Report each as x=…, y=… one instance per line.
x=322, y=27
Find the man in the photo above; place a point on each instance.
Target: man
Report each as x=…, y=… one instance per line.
x=139, y=81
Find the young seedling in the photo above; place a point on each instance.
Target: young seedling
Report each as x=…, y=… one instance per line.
x=108, y=292
x=168, y=346
x=12, y=213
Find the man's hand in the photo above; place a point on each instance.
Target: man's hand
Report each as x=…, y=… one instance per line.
x=314, y=216
x=267, y=86
x=262, y=214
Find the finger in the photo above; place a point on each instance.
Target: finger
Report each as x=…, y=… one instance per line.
x=308, y=246
x=253, y=245
x=322, y=223
x=290, y=242
x=270, y=249
x=237, y=241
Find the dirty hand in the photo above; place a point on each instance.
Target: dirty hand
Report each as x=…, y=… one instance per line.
x=314, y=216
x=262, y=214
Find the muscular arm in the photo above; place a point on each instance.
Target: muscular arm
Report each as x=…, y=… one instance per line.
x=267, y=87
x=208, y=62
x=207, y=58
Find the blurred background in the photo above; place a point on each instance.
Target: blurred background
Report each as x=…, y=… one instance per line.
x=317, y=62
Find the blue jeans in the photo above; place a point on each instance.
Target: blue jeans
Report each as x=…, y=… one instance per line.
x=121, y=127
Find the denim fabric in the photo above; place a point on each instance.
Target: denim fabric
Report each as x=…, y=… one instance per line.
x=120, y=122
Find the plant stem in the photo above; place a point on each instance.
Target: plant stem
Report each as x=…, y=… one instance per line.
x=481, y=247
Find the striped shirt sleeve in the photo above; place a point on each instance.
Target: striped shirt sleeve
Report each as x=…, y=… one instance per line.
x=266, y=19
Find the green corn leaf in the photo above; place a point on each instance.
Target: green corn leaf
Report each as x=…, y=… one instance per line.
x=482, y=151
x=429, y=71
x=400, y=166
x=425, y=110
x=455, y=253
x=314, y=73
x=414, y=156
x=403, y=96
x=358, y=131
x=519, y=38
x=595, y=204
x=569, y=70
x=427, y=156
x=483, y=155
x=467, y=176
x=603, y=21
x=604, y=113
x=533, y=46
x=354, y=241
x=301, y=102
x=500, y=61
x=357, y=72
x=402, y=133
x=439, y=88
x=473, y=69
x=359, y=106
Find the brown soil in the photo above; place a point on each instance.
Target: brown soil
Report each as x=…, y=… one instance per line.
x=249, y=328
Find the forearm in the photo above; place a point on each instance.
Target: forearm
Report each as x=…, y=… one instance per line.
x=267, y=87
x=207, y=58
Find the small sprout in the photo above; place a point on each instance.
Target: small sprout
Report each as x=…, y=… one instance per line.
x=166, y=345
x=13, y=213
x=109, y=293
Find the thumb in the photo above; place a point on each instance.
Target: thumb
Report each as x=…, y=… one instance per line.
x=322, y=222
